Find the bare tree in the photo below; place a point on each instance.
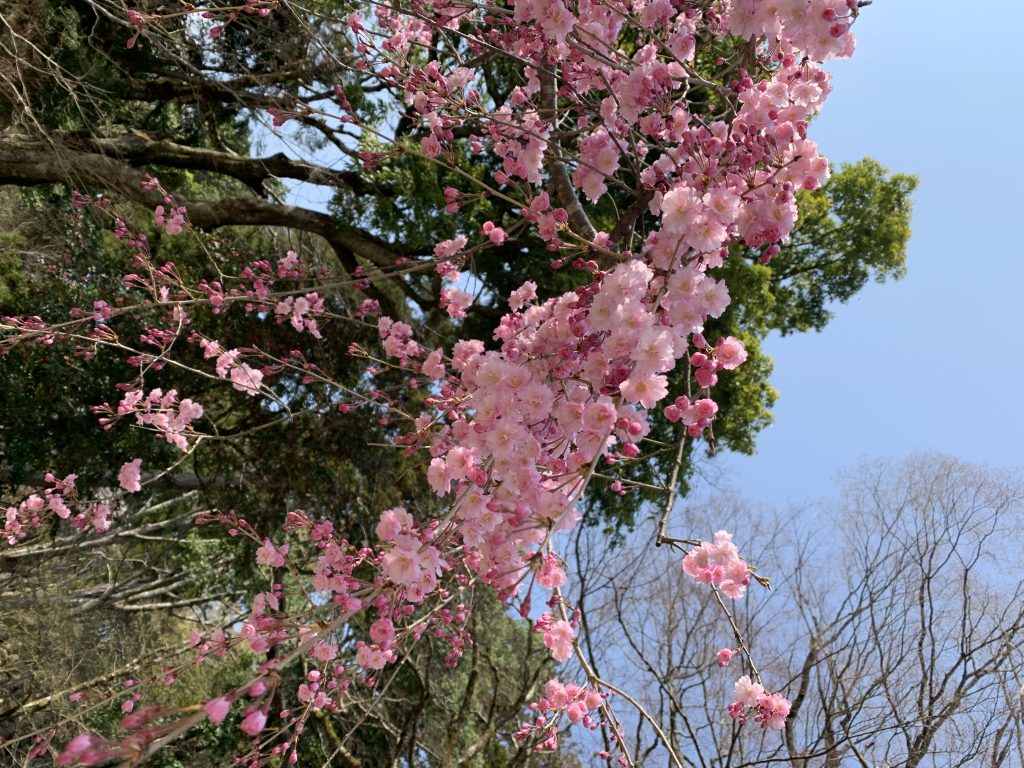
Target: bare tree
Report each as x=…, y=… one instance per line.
x=897, y=631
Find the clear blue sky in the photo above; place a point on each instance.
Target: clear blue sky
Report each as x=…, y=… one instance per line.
x=936, y=361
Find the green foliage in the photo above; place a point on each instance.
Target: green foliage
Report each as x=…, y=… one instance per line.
x=852, y=230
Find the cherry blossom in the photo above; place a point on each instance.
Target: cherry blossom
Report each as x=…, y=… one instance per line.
x=130, y=476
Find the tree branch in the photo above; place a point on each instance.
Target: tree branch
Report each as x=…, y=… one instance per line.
x=25, y=160
x=141, y=149
x=560, y=181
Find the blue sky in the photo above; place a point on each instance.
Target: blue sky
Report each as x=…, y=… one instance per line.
x=934, y=362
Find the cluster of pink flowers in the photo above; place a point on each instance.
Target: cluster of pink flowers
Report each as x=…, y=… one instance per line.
x=271, y=556
x=454, y=300
x=819, y=28
x=573, y=380
x=163, y=412
x=254, y=291
x=411, y=561
x=229, y=365
x=577, y=374
x=697, y=416
x=130, y=476
x=405, y=570
x=561, y=701
x=36, y=509
x=300, y=311
x=396, y=338
x=495, y=234
x=172, y=220
x=719, y=564
x=87, y=749
x=96, y=516
x=559, y=636
x=599, y=160
x=770, y=709
x=30, y=514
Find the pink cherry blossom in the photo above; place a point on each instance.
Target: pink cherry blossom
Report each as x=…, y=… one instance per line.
x=514, y=426
x=130, y=476
x=646, y=389
x=430, y=146
x=719, y=564
x=748, y=693
x=730, y=353
x=217, y=709
x=254, y=722
x=269, y=555
x=559, y=638
x=773, y=709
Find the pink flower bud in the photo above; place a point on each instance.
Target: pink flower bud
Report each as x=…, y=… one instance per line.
x=217, y=709
x=254, y=722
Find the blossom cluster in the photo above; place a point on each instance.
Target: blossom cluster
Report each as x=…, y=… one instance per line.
x=561, y=702
x=300, y=311
x=30, y=513
x=770, y=710
x=163, y=412
x=60, y=500
x=558, y=636
x=720, y=564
